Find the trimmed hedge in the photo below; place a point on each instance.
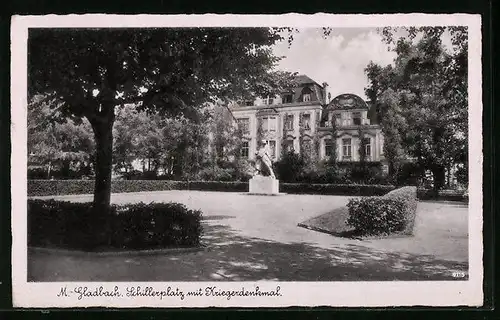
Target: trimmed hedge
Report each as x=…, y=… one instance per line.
x=66, y=187
x=391, y=213
x=128, y=227
x=336, y=189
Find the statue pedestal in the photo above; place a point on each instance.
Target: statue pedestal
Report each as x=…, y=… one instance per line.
x=264, y=185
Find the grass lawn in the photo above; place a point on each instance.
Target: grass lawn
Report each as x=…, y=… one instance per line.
x=333, y=223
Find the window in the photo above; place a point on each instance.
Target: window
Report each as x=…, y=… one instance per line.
x=249, y=103
x=272, y=124
x=245, y=149
x=268, y=100
x=368, y=147
x=272, y=148
x=289, y=122
x=306, y=97
x=244, y=125
x=269, y=124
x=329, y=147
x=356, y=117
x=306, y=121
x=337, y=117
x=287, y=98
x=346, y=148
x=289, y=145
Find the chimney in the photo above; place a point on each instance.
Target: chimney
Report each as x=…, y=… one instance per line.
x=325, y=93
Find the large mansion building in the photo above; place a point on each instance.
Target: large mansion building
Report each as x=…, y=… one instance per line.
x=302, y=118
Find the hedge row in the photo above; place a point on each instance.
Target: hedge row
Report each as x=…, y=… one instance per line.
x=128, y=227
x=65, y=187
x=389, y=214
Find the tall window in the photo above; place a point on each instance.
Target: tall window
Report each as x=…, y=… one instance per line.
x=306, y=121
x=346, y=148
x=244, y=125
x=287, y=98
x=245, y=149
x=368, y=147
x=356, y=118
x=306, y=97
x=269, y=124
x=272, y=148
x=289, y=122
x=272, y=124
x=329, y=147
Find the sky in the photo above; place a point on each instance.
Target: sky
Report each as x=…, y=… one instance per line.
x=339, y=59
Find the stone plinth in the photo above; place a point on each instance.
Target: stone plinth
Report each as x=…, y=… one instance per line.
x=264, y=185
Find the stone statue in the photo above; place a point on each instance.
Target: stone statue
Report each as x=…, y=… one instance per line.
x=263, y=161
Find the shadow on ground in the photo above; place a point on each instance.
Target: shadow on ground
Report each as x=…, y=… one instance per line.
x=233, y=257
x=245, y=258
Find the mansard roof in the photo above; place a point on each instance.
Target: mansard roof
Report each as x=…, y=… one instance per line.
x=347, y=101
x=302, y=81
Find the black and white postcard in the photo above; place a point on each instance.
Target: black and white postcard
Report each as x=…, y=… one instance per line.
x=246, y=160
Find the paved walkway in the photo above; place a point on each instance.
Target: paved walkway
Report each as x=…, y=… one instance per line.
x=257, y=238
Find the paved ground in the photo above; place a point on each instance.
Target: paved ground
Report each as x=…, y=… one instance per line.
x=257, y=238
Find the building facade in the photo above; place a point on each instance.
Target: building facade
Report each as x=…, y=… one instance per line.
x=301, y=118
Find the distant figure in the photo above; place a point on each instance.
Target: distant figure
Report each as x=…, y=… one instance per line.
x=263, y=160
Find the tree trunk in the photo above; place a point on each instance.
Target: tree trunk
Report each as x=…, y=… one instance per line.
x=439, y=177
x=103, y=165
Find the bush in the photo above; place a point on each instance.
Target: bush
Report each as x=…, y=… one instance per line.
x=374, y=216
x=290, y=167
x=391, y=213
x=67, y=187
x=127, y=227
x=410, y=174
x=336, y=189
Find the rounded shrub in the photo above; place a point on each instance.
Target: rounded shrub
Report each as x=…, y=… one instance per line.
x=127, y=227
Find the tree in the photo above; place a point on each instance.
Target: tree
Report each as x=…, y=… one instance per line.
x=423, y=99
x=52, y=142
x=171, y=71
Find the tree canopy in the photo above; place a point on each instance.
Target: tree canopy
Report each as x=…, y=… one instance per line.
x=168, y=71
x=421, y=99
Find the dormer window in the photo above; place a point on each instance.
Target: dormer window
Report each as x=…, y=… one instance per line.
x=306, y=97
x=287, y=98
x=268, y=100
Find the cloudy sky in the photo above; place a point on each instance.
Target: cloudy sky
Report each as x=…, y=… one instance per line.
x=339, y=59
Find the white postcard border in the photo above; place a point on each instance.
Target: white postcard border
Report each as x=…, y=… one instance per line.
x=347, y=294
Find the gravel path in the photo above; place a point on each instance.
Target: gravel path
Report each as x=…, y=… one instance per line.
x=257, y=238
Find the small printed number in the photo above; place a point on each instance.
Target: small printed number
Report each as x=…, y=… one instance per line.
x=458, y=274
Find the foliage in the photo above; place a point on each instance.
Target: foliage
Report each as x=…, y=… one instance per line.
x=375, y=216
x=408, y=196
x=422, y=100
x=394, y=212
x=66, y=187
x=64, y=146
x=171, y=71
x=290, y=167
x=127, y=227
